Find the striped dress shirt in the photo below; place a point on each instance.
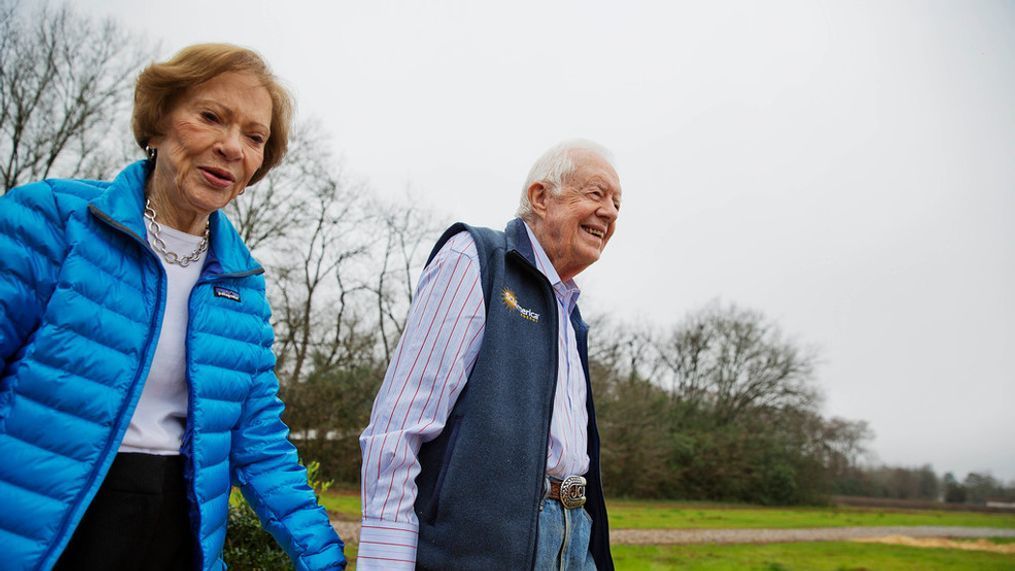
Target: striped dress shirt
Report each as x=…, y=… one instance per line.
x=430, y=366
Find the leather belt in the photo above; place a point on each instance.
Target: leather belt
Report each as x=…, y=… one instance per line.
x=570, y=491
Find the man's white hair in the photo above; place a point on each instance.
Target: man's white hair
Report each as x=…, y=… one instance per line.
x=554, y=166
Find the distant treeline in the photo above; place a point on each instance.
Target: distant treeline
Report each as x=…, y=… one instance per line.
x=922, y=484
x=720, y=407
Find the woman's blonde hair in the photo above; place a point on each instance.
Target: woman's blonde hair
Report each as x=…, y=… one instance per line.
x=160, y=86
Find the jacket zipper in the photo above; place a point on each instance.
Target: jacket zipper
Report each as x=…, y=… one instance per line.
x=153, y=333
x=187, y=448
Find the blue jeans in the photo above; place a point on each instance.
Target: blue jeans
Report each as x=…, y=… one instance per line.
x=563, y=542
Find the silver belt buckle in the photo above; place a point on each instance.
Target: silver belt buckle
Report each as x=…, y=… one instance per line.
x=572, y=492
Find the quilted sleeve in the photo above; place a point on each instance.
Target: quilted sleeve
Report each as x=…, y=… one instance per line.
x=32, y=244
x=266, y=467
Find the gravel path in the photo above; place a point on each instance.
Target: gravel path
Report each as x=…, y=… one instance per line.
x=349, y=530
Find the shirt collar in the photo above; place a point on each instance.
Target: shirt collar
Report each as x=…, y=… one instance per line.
x=568, y=291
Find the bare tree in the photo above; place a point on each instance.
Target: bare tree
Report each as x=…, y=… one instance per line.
x=406, y=231
x=309, y=221
x=340, y=265
x=315, y=321
x=844, y=442
x=626, y=349
x=281, y=205
x=733, y=359
x=64, y=80
x=341, y=262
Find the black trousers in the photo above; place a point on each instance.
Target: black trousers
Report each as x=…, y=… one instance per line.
x=137, y=521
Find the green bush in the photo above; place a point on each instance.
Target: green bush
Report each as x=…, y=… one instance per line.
x=248, y=547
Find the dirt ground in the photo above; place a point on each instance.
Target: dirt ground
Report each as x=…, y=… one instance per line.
x=976, y=545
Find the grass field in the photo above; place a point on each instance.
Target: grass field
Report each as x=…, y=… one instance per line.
x=830, y=556
x=678, y=515
x=345, y=504
x=631, y=514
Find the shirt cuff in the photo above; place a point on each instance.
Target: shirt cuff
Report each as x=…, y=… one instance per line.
x=387, y=545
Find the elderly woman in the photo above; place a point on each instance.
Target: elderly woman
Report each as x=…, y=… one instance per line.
x=137, y=380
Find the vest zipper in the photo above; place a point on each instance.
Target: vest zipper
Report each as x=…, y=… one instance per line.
x=553, y=392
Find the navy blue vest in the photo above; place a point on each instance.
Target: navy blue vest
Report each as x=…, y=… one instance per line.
x=481, y=480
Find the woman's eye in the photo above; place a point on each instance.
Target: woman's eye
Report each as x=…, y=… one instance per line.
x=258, y=139
x=209, y=116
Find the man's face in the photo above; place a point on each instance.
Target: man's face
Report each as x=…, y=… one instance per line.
x=575, y=225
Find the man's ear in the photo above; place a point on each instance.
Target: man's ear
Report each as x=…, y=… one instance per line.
x=539, y=194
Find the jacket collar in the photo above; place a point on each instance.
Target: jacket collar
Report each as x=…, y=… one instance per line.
x=123, y=204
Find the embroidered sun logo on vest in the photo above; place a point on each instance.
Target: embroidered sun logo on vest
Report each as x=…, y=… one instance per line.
x=511, y=302
x=510, y=299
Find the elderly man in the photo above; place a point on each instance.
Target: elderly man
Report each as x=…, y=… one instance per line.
x=482, y=446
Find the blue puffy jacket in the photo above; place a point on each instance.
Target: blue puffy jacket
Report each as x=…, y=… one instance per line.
x=81, y=304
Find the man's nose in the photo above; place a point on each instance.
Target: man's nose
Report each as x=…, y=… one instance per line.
x=608, y=210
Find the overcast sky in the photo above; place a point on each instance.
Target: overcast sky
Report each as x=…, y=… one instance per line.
x=847, y=168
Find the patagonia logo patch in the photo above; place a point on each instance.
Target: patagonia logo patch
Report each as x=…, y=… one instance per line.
x=227, y=293
x=511, y=302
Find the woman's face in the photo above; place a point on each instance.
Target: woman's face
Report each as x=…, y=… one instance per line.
x=212, y=145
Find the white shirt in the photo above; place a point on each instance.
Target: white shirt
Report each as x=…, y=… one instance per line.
x=433, y=360
x=161, y=414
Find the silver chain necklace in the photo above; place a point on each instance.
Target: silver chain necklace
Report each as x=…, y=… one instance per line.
x=160, y=245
